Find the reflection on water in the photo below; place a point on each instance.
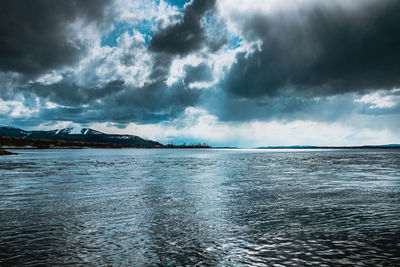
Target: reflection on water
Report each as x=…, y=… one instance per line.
x=206, y=207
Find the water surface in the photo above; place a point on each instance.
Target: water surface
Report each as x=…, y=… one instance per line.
x=208, y=207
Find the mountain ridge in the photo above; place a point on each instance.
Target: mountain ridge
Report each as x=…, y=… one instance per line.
x=331, y=147
x=73, y=136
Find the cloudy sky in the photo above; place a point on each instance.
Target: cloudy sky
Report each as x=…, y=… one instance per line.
x=241, y=73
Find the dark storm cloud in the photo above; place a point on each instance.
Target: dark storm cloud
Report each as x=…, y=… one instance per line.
x=68, y=93
x=182, y=38
x=117, y=101
x=152, y=103
x=323, y=51
x=200, y=73
x=114, y=101
x=34, y=36
x=185, y=36
x=282, y=108
x=8, y=84
x=161, y=66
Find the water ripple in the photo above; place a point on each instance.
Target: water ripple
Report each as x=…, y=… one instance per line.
x=133, y=207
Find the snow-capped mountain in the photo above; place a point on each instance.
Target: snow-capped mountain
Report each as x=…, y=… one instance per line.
x=79, y=135
x=75, y=130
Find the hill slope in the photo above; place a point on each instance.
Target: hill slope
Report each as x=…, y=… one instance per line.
x=81, y=136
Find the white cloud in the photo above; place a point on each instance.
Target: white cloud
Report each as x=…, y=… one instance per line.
x=50, y=78
x=219, y=62
x=381, y=99
x=16, y=109
x=129, y=61
x=135, y=11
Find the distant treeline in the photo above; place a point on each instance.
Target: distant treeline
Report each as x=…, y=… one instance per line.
x=191, y=145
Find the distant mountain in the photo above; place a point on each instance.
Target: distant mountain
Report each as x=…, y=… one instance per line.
x=331, y=147
x=81, y=136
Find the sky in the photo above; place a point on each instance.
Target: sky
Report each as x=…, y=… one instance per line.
x=242, y=73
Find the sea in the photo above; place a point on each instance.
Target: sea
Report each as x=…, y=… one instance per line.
x=204, y=207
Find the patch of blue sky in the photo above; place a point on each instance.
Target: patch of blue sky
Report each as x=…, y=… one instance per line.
x=145, y=27
x=234, y=41
x=178, y=3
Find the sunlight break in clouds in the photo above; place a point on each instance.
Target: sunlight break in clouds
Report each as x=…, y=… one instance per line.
x=198, y=125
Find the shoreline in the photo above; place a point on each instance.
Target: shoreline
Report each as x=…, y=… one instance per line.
x=4, y=149
x=4, y=152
